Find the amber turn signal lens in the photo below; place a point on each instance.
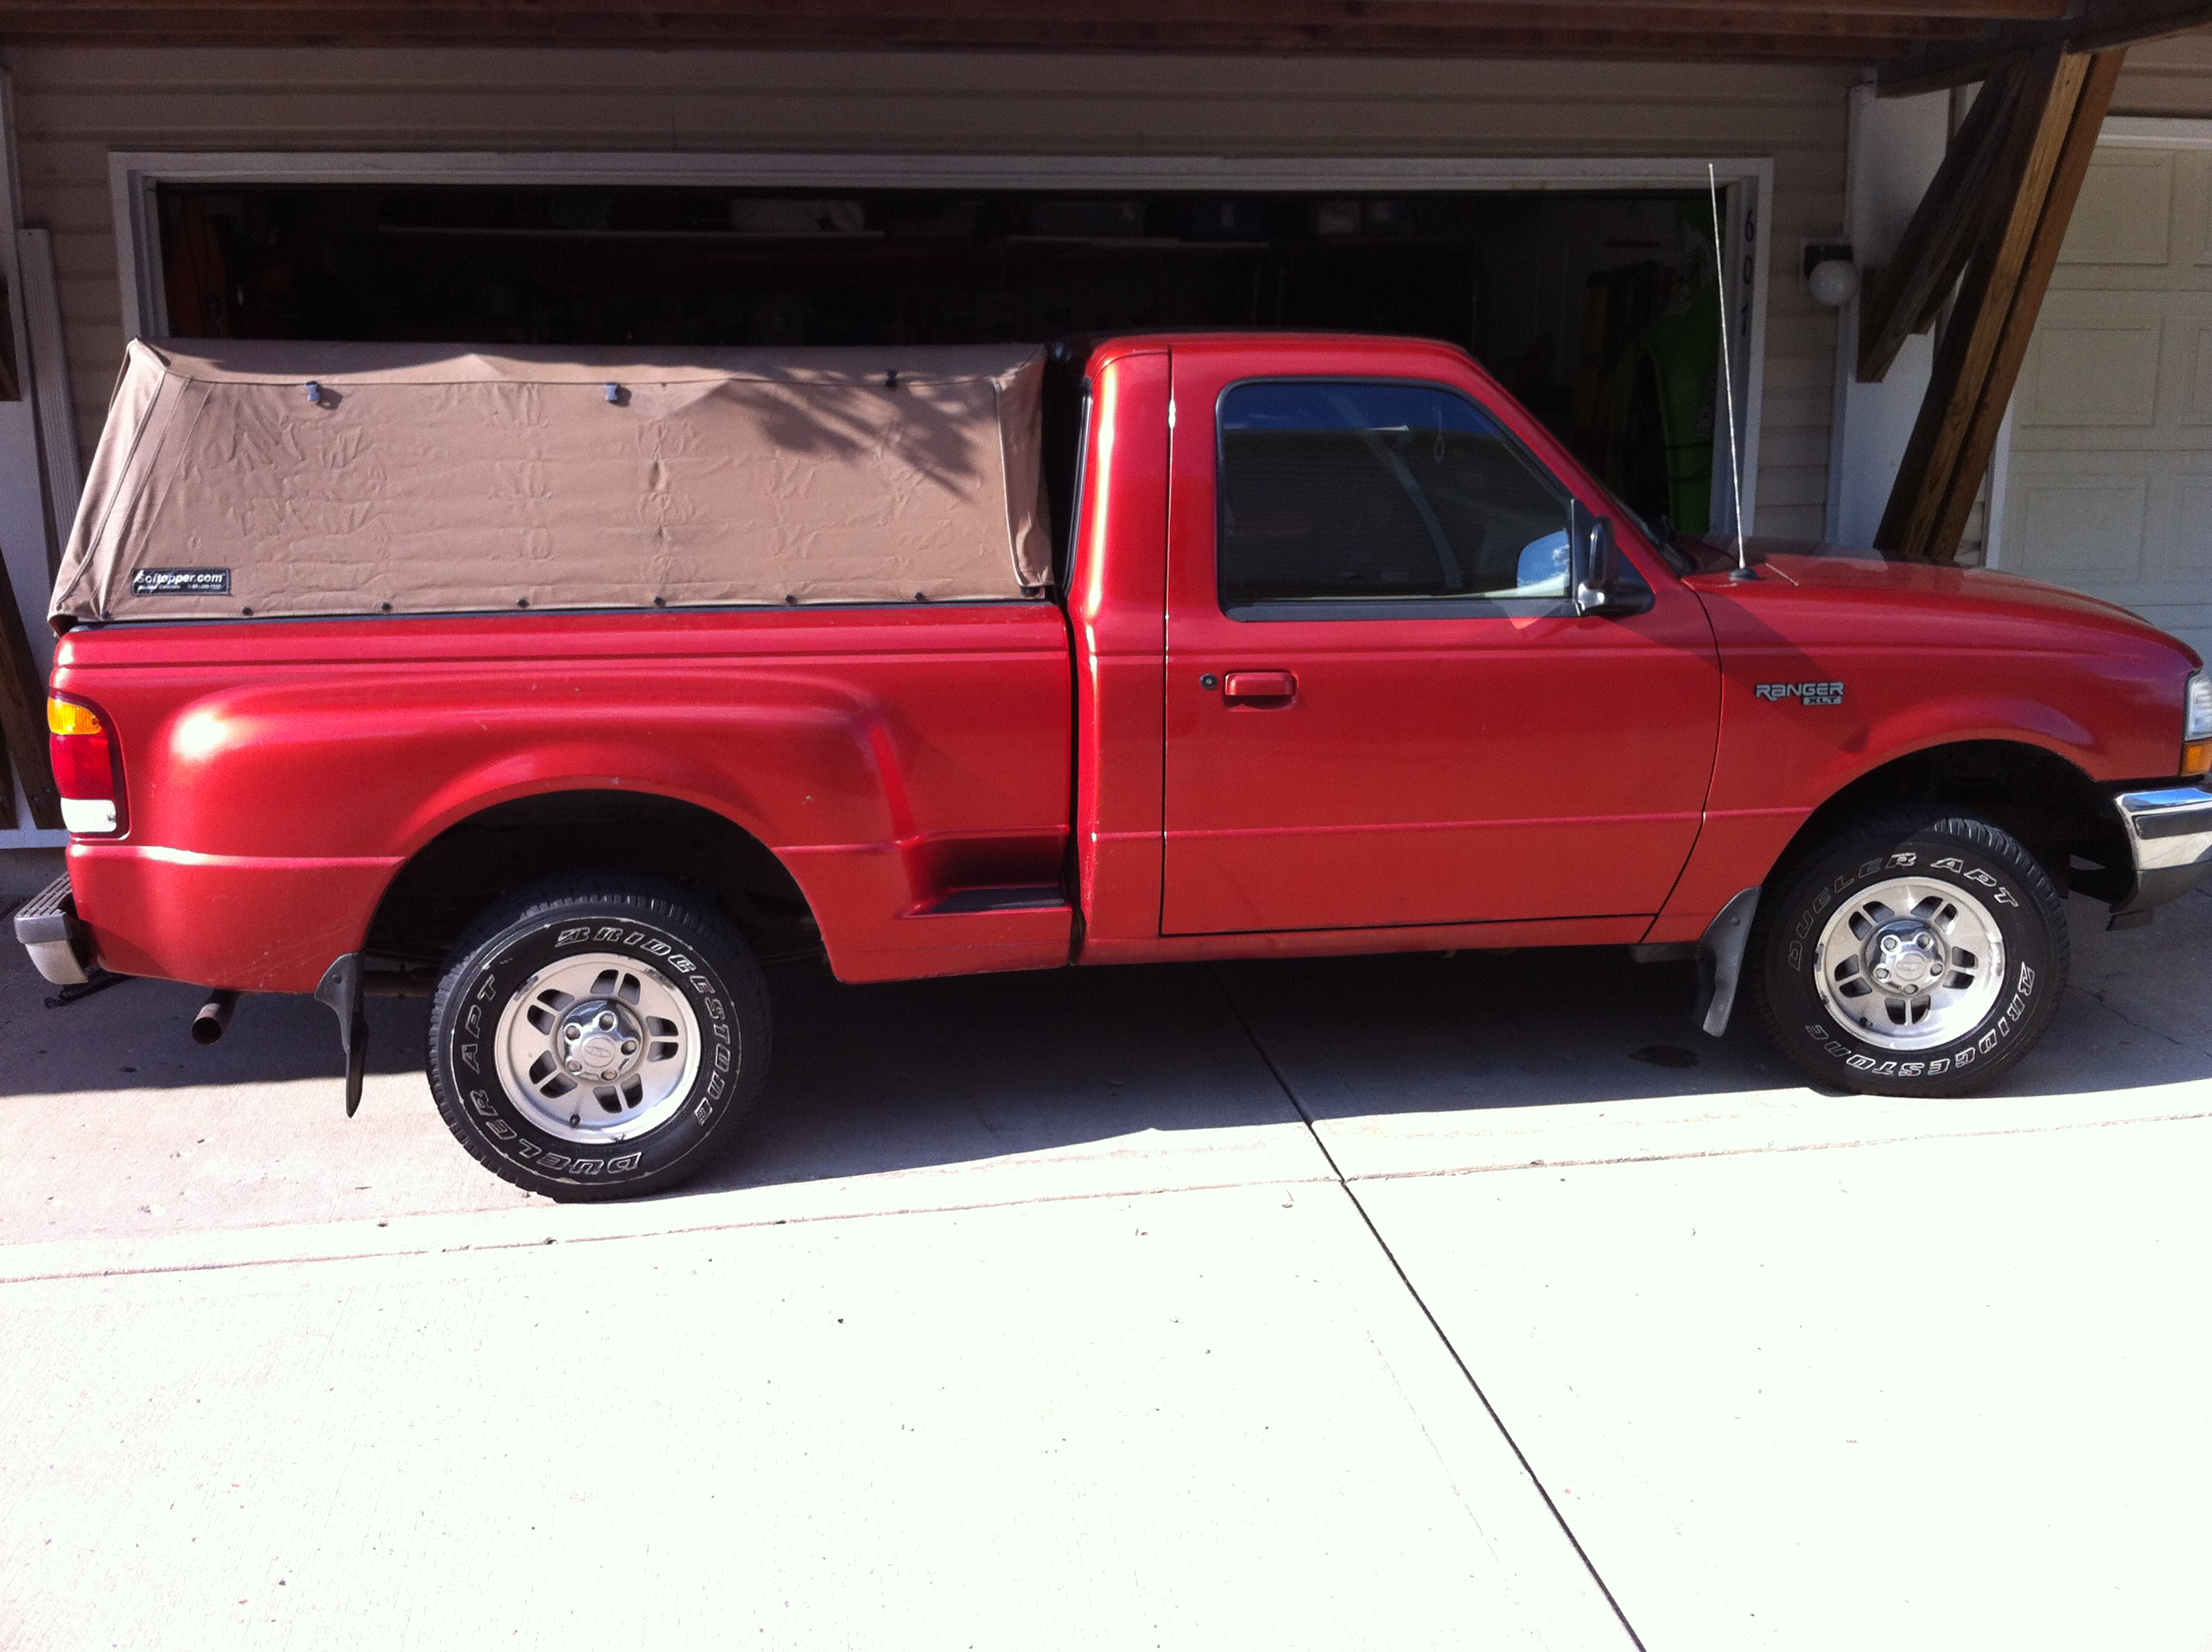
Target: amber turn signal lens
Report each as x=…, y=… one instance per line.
x=67, y=717
x=2197, y=758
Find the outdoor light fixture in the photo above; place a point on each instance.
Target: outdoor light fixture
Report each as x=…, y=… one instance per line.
x=1830, y=273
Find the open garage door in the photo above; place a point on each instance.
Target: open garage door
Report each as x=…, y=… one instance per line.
x=1598, y=308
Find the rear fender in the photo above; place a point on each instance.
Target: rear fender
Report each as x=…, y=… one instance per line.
x=231, y=786
x=800, y=760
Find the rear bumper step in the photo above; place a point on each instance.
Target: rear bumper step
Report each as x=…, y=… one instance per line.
x=51, y=932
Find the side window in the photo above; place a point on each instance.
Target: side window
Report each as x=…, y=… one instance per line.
x=1336, y=491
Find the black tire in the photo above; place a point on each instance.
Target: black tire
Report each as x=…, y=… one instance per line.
x=684, y=960
x=1938, y=848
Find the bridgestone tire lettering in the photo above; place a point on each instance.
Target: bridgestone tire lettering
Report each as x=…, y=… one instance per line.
x=661, y=926
x=1932, y=844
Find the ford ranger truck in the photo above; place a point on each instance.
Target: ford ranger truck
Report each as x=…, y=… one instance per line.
x=1325, y=647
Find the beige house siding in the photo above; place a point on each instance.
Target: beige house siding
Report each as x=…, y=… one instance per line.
x=75, y=106
x=2168, y=77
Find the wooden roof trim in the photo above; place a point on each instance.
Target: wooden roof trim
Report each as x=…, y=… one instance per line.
x=1655, y=16
x=1731, y=15
x=1554, y=36
x=2098, y=26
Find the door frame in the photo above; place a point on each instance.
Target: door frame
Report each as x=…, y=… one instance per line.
x=1747, y=182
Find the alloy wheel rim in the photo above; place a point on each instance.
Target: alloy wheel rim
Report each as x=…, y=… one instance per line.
x=597, y=1048
x=1910, y=964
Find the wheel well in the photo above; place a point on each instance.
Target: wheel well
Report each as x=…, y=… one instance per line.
x=475, y=862
x=2053, y=808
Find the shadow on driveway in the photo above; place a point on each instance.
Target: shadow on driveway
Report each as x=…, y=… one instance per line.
x=895, y=1077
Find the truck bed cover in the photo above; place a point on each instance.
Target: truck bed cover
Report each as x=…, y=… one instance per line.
x=280, y=478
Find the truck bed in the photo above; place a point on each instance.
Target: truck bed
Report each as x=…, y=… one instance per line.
x=829, y=735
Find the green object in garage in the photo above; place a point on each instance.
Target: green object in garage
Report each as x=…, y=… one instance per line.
x=1673, y=377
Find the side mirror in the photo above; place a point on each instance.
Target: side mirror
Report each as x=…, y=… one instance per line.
x=1604, y=581
x=1595, y=558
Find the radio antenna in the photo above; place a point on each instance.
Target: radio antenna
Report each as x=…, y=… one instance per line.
x=1727, y=377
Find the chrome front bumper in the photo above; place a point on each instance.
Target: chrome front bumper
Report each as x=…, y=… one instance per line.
x=2170, y=835
x=48, y=926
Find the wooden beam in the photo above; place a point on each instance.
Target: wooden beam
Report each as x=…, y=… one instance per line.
x=1948, y=224
x=2095, y=26
x=2115, y=26
x=2056, y=118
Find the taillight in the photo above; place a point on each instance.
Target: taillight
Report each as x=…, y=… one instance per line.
x=87, y=769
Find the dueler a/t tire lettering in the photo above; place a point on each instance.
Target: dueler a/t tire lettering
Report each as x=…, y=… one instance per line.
x=1984, y=900
x=672, y=980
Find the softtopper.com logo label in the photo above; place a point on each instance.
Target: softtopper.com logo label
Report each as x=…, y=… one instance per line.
x=180, y=582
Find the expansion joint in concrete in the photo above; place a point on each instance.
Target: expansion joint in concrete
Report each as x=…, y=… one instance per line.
x=1413, y=1291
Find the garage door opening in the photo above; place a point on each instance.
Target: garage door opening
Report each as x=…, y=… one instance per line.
x=1598, y=309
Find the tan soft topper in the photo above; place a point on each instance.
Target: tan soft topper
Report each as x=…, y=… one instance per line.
x=281, y=478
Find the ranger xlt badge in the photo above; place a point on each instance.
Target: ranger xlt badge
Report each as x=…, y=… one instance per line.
x=1813, y=694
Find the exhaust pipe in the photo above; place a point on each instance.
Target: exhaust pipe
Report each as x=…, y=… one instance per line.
x=214, y=1017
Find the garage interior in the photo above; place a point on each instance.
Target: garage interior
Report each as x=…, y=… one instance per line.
x=1597, y=309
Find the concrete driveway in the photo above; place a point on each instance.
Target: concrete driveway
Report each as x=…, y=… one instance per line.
x=1470, y=1301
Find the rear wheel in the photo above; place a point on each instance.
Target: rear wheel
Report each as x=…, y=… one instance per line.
x=1919, y=952
x=598, y=1037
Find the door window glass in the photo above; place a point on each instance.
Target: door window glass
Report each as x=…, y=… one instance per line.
x=1335, y=491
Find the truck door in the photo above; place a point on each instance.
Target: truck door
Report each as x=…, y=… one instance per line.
x=1382, y=708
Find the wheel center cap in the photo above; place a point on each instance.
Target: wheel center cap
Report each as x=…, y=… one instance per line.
x=598, y=1040
x=1906, y=957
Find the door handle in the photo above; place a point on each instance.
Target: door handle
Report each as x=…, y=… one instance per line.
x=1259, y=685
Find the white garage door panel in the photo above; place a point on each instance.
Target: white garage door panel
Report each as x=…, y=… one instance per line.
x=2104, y=375
x=2199, y=410
x=2123, y=215
x=2124, y=212
x=2110, y=483
x=2107, y=358
x=2075, y=527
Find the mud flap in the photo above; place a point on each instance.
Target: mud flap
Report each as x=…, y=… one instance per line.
x=341, y=991
x=1720, y=960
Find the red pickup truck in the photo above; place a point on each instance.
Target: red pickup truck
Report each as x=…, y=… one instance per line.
x=1338, y=651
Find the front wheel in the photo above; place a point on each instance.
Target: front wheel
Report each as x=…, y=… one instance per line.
x=1919, y=952
x=598, y=1037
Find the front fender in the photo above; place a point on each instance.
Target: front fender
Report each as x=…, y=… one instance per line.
x=1955, y=720
x=1779, y=763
